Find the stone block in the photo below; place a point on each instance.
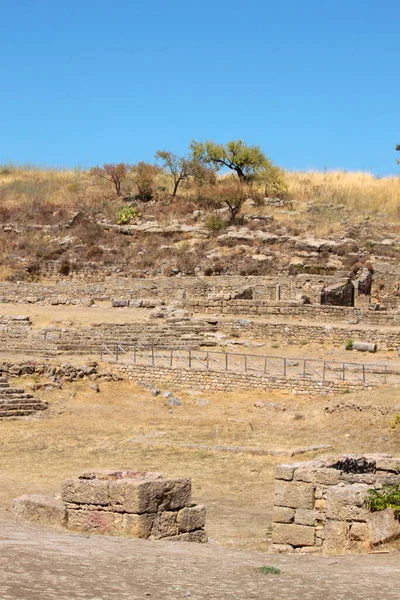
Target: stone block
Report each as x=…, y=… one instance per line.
x=336, y=534
x=149, y=496
x=198, y=536
x=383, y=527
x=388, y=464
x=281, y=514
x=323, y=476
x=46, y=510
x=165, y=525
x=305, y=517
x=347, y=503
x=85, y=491
x=295, y=535
x=284, y=472
x=320, y=504
x=359, y=532
x=191, y=518
x=95, y=521
x=282, y=548
x=294, y=494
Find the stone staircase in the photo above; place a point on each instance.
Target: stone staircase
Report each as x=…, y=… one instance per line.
x=15, y=402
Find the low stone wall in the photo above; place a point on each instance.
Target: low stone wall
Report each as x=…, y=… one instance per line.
x=319, y=506
x=292, y=309
x=122, y=503
x=228, y=381
x=292, y=333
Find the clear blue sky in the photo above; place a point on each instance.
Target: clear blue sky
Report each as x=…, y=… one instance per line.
x=314, y=83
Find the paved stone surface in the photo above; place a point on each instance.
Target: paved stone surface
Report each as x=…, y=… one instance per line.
x=41, y=564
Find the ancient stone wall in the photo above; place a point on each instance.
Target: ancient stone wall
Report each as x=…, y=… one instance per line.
x=122, y=503
x=320, y=506
x=229, y=381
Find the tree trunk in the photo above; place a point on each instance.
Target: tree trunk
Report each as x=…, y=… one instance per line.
x=242, y=176
x=176, y=185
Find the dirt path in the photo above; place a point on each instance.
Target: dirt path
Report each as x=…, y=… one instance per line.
x=46, y=565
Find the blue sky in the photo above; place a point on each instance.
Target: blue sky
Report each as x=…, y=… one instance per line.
x=315, y=83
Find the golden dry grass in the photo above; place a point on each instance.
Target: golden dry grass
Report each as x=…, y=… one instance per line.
x=83, y=429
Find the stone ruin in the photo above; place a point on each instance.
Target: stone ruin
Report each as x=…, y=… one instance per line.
x=15, y=402
x=320, y=506
x=121, y=503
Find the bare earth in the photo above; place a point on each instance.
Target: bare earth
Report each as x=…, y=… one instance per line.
x=48, y=565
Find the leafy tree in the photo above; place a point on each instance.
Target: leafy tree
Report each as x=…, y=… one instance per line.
x=179, y=167
x=144, y=176
x=112, y=172
x=245, y=160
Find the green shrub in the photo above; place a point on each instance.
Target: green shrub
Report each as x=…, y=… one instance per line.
x=349, y=344
x=387, y=497
x=127, y=214
x=267, y=570
x=215, y=223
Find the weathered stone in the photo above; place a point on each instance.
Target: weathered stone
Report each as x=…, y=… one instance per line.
x=336, y=537
x=322, y=475
x=132, y=496
x=305, y=517
x=295, y=535
x=46, y=510
x=282, y=548
x=85, y=491
x=347, y=503
x=284, y=472
x=294, y=495
x=164, y=525
x=281, y=514
x=199, y=536
x=320, y=504
x=388, y=464
x=383, y=526
x=191, y=518
x=95, y=521
x=359, y=532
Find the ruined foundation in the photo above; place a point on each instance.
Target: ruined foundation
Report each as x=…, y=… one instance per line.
x=123, y=503
x=320, y=507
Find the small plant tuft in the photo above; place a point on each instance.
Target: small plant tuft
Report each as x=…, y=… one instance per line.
x=349, y=344
x=396, y=420
x=268, y=570
x=127, y=214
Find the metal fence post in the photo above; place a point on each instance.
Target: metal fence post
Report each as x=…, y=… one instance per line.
x=101, y=351
x=344, y=373
x=245, y=363
x=171, y=357
x=226, y=361
x=134, y=354
x=152, y=356
x=385, y=374
x=284, y=367
x=208, y=361
x=363, y=373
x=323, y=371
x=190, y=358
x=116, y=352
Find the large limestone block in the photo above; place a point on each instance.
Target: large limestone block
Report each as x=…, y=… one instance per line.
x=294, y=495
x=383, y=526
x=324, y=476
x=110, y=523
x=46, y=510
x=284, y=472
x=151, y=496
x=191, y=518
x=85, y=491
x=336, y=537
x=347, y=503
x=95, y=521
x=281, y=514
x=198, y=536
x=165, y=525
x=295, y=535
x=305, y=516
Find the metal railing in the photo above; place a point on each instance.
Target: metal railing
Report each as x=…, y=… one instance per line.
x=276, y=366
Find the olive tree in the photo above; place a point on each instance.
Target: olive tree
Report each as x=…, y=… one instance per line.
x=179, y=167
x=112, y=172
x=245, y=160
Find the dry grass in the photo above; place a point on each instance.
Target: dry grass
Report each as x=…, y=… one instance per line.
x=83, y=430
x=358, y=191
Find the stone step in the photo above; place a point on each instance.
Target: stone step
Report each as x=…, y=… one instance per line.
x=22, y=406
